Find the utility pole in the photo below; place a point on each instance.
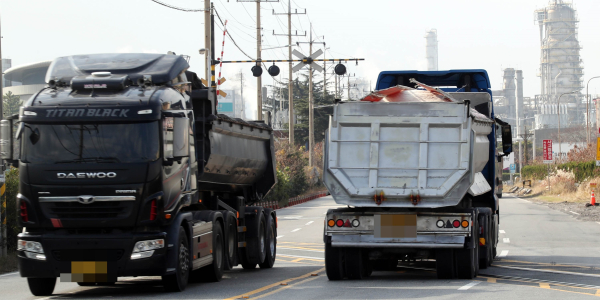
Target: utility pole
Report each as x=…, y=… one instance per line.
x=3, y=237
x=290, y=81
x=207, y=31
x=242, y=115
x=311, y=104
x=525, y=136
x=325, y=73
x=258, y=55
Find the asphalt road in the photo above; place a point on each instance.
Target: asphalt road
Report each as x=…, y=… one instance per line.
x=545, y=254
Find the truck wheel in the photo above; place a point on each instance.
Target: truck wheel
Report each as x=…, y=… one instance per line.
x=444, y=264
x=230, y=241
x=354, y=263
x=214, y=271
x=467, y=260
x=334, y=262
x=255, y=237
x=178, y=281
x=485, y=253
x=270, y=243
x=41, y=286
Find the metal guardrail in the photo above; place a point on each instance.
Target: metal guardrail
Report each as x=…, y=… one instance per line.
x=293, y=201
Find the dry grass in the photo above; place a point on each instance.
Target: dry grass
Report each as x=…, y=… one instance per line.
x=9, y=263
x=560, y=186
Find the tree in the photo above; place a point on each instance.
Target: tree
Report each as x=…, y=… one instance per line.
x=321, y=114
x=11, y=104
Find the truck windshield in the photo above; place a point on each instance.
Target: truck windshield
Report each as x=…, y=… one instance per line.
x=90, y=143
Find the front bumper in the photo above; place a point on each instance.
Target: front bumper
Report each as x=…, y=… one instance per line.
x=114, y=249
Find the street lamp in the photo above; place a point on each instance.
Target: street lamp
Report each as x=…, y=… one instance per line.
x=558, y=107
x=587, y=109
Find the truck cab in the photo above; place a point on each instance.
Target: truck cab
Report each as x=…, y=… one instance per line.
x=125, y=164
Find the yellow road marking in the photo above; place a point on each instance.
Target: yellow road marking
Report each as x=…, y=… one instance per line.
x=264, y=288
x=304, y=248
x=285, y=287
x=301, y=258
x=546, y=264
x=542, y=285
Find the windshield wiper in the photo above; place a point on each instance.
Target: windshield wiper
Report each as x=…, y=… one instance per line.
x=90, y=159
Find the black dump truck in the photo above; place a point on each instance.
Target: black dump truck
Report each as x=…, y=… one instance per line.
x=126, y=169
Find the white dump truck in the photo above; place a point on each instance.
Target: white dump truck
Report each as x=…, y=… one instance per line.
x=415, y=165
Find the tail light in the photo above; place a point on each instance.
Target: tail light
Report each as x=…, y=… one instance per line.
x=23, y=211
x=153, y=210
x=339, y=223
x=456, y=223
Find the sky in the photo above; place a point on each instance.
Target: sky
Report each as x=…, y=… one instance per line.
x=388, y=34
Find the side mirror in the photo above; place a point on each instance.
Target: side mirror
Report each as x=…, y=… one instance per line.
x=506, y=139
x=181, y=137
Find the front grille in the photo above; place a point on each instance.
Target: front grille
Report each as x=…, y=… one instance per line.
x=96, y=210
x=87, y=255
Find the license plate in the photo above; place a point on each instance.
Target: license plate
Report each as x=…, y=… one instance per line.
x=87, y=271
x=395, y=226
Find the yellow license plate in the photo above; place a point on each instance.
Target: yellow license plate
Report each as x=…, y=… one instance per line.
x=395, y=226
x=86, y=271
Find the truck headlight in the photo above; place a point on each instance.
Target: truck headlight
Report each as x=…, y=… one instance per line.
x=33, y=250
x=144, y=249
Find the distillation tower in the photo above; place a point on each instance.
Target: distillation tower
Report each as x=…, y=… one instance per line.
x=431, y=50
x=561, y=67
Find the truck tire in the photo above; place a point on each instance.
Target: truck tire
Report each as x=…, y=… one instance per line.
x=178, y=281
x=214, y=271
x=270, y=242
x=334, y=262
x=444, y=264
x=41, y=286
x=485, y=251
x=230, y=241
x=354, y=263
x=255, y=238
x=467, y=260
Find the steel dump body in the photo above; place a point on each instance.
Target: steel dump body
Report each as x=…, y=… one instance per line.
x=432, y=149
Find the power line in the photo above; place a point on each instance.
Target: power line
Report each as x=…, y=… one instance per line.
x=177, y=8
x=236, y=45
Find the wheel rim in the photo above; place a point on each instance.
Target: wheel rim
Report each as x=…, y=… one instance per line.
x=262, y=240
x=219, y=254
x=231, y=241
x=272, y=241
x=184, y=260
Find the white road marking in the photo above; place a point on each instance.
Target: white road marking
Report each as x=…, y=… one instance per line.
x=292, y=217
x=502, y=231
x=598, y=222
x=287, y=248
x=469, y=285
x=298, y=256
x=574, y=212
x=550, y=271
x=13, y=273
x=309, y=223
x=296, y=229
x=280, y=236
x=504, y=253
x=506, y=240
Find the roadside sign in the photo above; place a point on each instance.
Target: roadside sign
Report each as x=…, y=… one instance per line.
x=548, y=152
x=598, y=152
x=592, y=184
x=513, y=168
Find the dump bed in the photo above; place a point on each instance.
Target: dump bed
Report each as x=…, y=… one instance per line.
x=415, y=153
